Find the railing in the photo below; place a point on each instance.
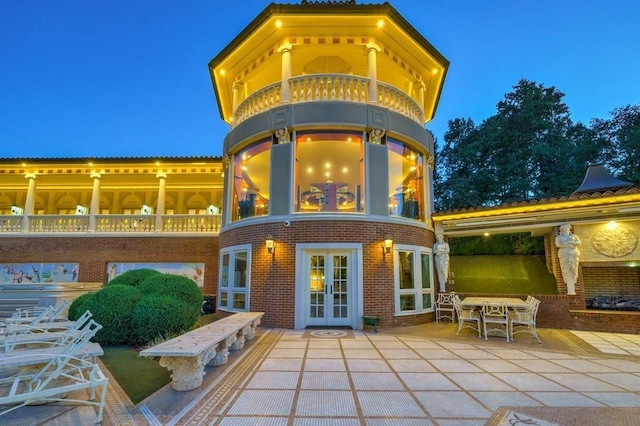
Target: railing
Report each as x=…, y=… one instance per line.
x=398, y=101
x=191, y=223
x=329, y=87
x=10, y=223
x=112, y=223
x=260, y=101
x=125, y=223
x=58, y=223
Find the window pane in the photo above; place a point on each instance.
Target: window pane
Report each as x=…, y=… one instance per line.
x=426, y=270
x=224, y=275
x=405, y=265
x=329, y=172
x=406, y=181
x=407, y=302
x=224, y=299
x=240, y=276
x=251, y=184
x=426, y=301
x=239, y=301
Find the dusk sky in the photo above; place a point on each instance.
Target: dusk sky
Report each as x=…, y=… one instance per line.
x=128, y=78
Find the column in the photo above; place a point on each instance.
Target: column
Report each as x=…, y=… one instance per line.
x=372, y=71
x=30, y=202
x=94, y=209
x=237, y=95
x=162, y=189
x=419, y=85
x=285, y=90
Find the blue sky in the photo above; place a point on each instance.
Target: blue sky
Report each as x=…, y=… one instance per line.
x=123, y=78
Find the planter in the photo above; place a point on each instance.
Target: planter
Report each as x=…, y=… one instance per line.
x=371, y=321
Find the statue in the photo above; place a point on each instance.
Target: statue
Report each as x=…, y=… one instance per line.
x=441, y=253
x=569, y=256
x=376, y=135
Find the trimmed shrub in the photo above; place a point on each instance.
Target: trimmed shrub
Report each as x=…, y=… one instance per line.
x=77, y=307
x=159, y=316
x=112, y=307
x=134, y=277
x=178, y=287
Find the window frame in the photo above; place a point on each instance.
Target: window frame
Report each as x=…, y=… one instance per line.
x=231, y=289
x=417, y=273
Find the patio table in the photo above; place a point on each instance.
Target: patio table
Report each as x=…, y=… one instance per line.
x=511, y=302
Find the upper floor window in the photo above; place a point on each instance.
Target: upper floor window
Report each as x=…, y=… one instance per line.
x=406, y=181
x=329, y=172
x=251, y=181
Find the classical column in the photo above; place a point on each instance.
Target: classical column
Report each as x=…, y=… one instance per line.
x=94, y=209
x=30, y=202
x=419, y=85
x=237, y=95
x=285, y=90
x=372, y=71
x=162, y=189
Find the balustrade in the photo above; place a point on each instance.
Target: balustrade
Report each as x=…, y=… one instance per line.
x=191, y=223
x=58, y=223
x=329, y=87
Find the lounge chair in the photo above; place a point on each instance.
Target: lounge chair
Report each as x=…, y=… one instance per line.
x=51, y=374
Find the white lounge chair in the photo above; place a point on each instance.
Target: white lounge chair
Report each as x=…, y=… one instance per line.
x=41, y=314
x=33, y=336
x=63, y=369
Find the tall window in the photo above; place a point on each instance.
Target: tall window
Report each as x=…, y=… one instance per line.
x=329, y=172
x=413, y=277
x=251, y=181
x=233, y=288
x=406, y=181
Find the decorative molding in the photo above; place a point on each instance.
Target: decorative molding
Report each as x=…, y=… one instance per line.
x=618, y=241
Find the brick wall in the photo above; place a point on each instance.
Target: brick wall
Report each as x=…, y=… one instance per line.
x=611, y=281
x=93, y=253
x=273, y=277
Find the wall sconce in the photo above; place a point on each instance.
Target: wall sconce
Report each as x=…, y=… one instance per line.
x=271, y=245
x=386, y=246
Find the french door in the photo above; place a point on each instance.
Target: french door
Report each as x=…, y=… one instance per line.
x=328, y=285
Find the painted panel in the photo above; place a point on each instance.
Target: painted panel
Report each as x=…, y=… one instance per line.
x=193, y=271
x=25, y=273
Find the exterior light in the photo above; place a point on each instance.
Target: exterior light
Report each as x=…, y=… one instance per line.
x=222, y=72
x=278, y=24
x=380, y=23
x=271, y=245
x=387, y=245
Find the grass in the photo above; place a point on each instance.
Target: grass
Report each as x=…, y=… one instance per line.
x=139, y=377
x=502, y=274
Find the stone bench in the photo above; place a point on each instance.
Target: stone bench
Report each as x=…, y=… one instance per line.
x=188, y=354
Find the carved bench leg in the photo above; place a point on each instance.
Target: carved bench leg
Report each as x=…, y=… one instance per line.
x=187, y=372
x=239, y=343
x=222, y=354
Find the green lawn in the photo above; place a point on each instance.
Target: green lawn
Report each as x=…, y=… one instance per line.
x=502, y=274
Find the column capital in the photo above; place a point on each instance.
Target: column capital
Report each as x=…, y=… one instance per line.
x=30, y=176
x=95, y=175
x=285, y=47
x=372, y=46
x=161, y=175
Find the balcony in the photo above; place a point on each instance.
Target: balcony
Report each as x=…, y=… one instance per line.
x=328, y=87
x=176, y=224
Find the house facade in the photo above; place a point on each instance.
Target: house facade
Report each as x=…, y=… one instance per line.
x=319, y=210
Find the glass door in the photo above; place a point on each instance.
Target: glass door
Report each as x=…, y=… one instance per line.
x=329, y=283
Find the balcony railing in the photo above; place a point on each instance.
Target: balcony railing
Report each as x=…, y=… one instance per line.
x=112, y=223
x=328, y=87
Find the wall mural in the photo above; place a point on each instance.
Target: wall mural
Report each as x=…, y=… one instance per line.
x=194, y=271
x=25, y=273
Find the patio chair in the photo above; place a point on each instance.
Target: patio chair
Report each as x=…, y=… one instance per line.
x=495, y=319
x=42, y=314
x=63, y=370
x=34, y=336
x=444, y=307
x=467, y=316
x=524, y=319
